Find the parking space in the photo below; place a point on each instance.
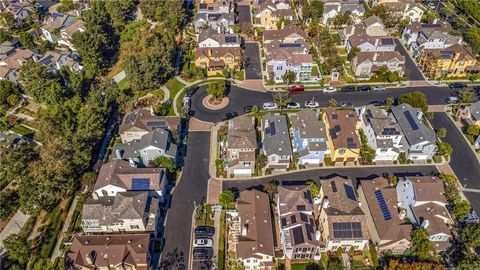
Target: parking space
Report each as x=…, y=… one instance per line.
x=205, y=237
x=253, y=66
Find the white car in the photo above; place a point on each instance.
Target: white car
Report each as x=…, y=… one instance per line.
x=452, y=100
x=293, y=105
x=431, y=5
x=379, y=88
x=203, y=242
x=270, y=106
x=329, y=89
x=311, y=104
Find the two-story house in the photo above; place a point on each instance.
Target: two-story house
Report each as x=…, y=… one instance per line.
x=55, y=60
x=220, y=22
x=21, y=11
x=392, y=230
x=309, y=137
x=289, y=34
x=422, y=200
x=276, y=142
x=10, y=65
x=384, y=135
x=342, y=135
x=471, y=114
x=141, y=121
x=53, y=25
x=333, y=9
x=130, y=212
x=209, y=38
x=144, y=151
x=454, y=61
x=122, y=251
x=241, y=146
x=298, y=233
x=405, y=9
x=254, y=238
x=66, y=33
x=418, y=36
x=342, y=222
x=366, y=43
x=366, y=64
x=120, y=176
x=268, y=14
x=215, y=60
x=419, y=142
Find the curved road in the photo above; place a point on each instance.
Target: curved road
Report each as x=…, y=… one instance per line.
x=240, y=97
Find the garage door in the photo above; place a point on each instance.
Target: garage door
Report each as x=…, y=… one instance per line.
x=242, y=172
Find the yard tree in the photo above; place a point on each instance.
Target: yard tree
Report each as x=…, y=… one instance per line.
x=7, y=89
x=466, y=95
x=442, y=132
x=8, y=203
x=472, y=132
x=281, y=99
x=332, y=102
x=270, y=188
x=461, y=209
x=15, y=161
x=216, y=89
x=18, y=248
x=119, y=11
x=40, y=84
x=227, y=197
x=261, y=161
x=472, y=36
x=312, y=9
x=388, y=18
x=444, y=149
x=470, y=235
x=313, y=187
x=421, y=247
x=468, y=261
x=6, y=19
x=428, y=17
x=165, y=162
x=4, y=35
x=289, y=77
x=415, y=99
x=451, y=187
x=389, y=102
x=170, y=13
x=352, y=53
x=393, y=77
x=26, y=39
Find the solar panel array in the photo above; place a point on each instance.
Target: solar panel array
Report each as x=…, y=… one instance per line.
x=271, y=129
x=350, y=192
x=333, y=134
x=351, y=143
x=47, y=60
x=383, y=206
x=230, y=39
x=140, y=184
x=347, y=230
x=387, y=41
x=390, y=131
x=156, y=124
x=290, y=45
x=410, y=120
x=298, y=235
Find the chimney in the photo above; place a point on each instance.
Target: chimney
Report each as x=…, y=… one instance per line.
x=425, y=223
x=119, y=153
x=90, y=258
x=245, y=230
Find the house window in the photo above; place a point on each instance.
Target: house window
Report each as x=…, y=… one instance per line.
x=342, y=151
x=279, y=67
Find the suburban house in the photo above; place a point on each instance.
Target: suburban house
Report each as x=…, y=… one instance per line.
x=454, y=61
x=276, y=142
x=129, y=212
x=342, y=222
x=209, y=38
x=120, y=176
x=241, y=146
x=53, y=26
x=220, y=22
x=144, y=151
x=374, y=27
x=295, y=213
x=215, y=60
x=141, y=121
x=419, y=142
x=384, y=135
x=10, y=65
x=211, y=6
x=418, y=36
x=333, y=9
x=365, y=64
x=471, y=114
x=254, y=233
x=121, y=251
x=20, y=10
x=422, y=200
x=392, y=230
x=309, y=137
x=366, y=43
x=342, y=134
x=269, y=13
x=405, y=9
x=289, y=34
x=66, y=33
x=55, y=60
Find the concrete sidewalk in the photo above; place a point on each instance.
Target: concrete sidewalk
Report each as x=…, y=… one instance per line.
x=56, y=251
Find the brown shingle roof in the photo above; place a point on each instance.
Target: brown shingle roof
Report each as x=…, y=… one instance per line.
x=254, y=212
x=428, y=188
x=217, y=52
x=143, y=119
x=290, y=199
x=241, y=133
x=285, y=32
x=342, y=128
x=308, y=124
x=110, y=250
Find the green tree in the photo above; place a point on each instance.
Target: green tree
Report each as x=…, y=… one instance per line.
x=26, y=39
x=18, y=248
x=388, y=18
x=7, y=89
x=4, y=35
x=332, y=102
x=415, y=99
x=40, y=84
x=442, y=132
x=451, y=187
x=444, y=149
x=367, y=153
x=289, y=77
x=472, y=36
x=470, y=235
x=281, y=99
x=216, y=89
x=167, y=163
x=8, y=204
x=466, y=96
x=227, y=197
x=6, y=19
x=313, y=188
x=461, y=209
x=421, y=246
x=261, y=161
x=393, y=77
x=270, y=188
x=472, y=132
x=389, y=102
x=312, y=9
x=352, y=53
x=170, y=13
x=468, y=261
x=119, y=11
x=428, y=16
x=65, y=6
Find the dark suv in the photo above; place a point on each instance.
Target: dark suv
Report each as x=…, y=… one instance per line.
x=348, y=88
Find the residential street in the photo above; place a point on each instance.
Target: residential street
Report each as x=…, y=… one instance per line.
x=253, y=67
x=411, y=69
x=244, y=14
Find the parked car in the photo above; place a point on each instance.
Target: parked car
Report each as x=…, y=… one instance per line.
x=293, y=105
x=311, y=104
x=377, y=103
x=247, y=109
x=457, y=86
x=297, y=89
x=452, y=100
x=203, y=242
x=329, y=89
x=346, y=104
x=202, y=252
x=204, y=231
x=191, y=91
x=379, y=88
x=230, y=115
x=270, y=106
x=348, y=88
x=364, y=88
x=431, y=5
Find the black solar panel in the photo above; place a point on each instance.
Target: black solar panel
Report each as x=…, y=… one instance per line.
x=300, y=207
x=290, y=45
x=334, y=186
x=383, y=206
x=293, y=219
x=47, y=60
x=140, y=184
x=387, y=41
x=411, y=120
x=310, y=231
x=350, y=192
x=303, y=217
x=347, y=230
x=156, y=124
x=230, y=39
x=351, y=143
x=390, y=131
x=272, y=129
x=298, y=235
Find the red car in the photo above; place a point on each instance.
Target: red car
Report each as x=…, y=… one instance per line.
x=296, y=89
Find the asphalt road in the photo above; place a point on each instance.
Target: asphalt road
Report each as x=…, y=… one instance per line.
x=253, y=67
x=191, y=187
x=412, y=71
x=244, y=15
x=240, y=97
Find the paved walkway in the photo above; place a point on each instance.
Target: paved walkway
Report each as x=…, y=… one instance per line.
x=436, y=108
x=198, y=125
x=14, y=226
x=56, y=251
x=214, y=190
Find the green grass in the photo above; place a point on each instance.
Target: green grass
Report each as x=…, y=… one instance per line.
x=299, y=266
x=23, y=130
x=221, y=242
x=203, y=219
x=124, y=84
x=174, y=86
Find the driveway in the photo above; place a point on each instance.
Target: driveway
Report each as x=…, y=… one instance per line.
x=411, y=69
x=463, y=161
x=253, y=67
x=244, y=15
x=192, y=187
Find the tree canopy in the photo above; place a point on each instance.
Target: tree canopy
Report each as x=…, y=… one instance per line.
x=415, y=99
x=421, y=246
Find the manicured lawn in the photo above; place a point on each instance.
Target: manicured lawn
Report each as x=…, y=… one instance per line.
x=174, y=86
x=124, y=84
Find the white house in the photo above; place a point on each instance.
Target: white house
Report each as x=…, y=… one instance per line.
x=209, y=38
x=56, y=22
x=365, y=64
x=418, y=36
x=331, y=10
x=366, y=43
